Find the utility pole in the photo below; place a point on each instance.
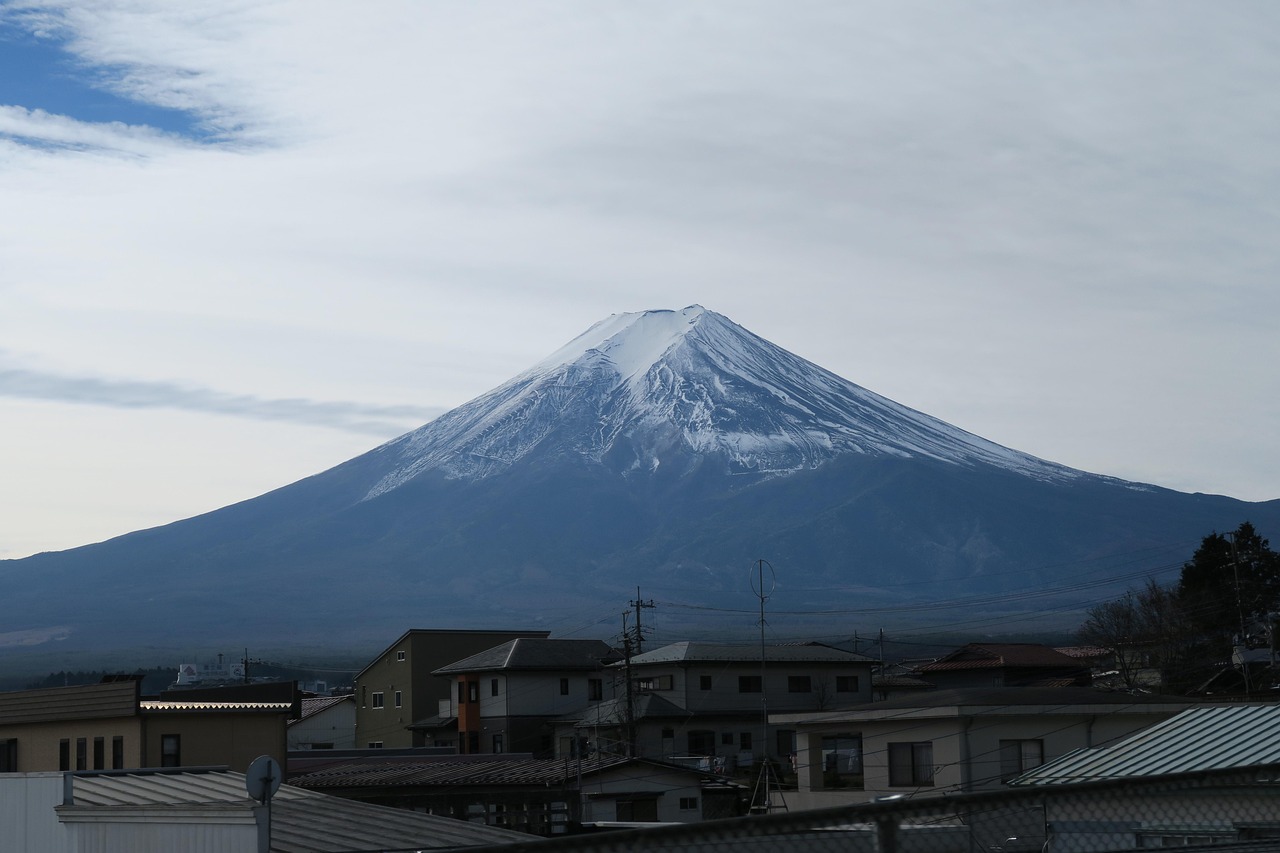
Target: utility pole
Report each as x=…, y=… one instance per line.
x=761, y=799
x=639, y=606
x=629, y=722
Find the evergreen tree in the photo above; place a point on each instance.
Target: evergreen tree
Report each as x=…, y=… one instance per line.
x=1232, y=579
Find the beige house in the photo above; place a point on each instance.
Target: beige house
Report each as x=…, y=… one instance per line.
x=954, y=741
x=109, y=726
x=397, y=687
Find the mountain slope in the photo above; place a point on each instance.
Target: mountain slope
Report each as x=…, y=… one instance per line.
x=666, y=449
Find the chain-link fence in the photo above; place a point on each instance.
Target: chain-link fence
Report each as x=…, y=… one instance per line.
x=1233, y=810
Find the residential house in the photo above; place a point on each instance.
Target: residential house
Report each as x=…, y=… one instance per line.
x=1005, y=665
x=397, y=687
x=126, y=812
x=1196, y=805
x=539, y=796
x=711, y=700
x=949, y=741
x=326, y=722
x=110, y=725
x=505, y=698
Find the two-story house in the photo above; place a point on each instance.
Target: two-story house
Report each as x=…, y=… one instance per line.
x=955, y=741
x=712, y=700
x=397, y=688
x=506, y=697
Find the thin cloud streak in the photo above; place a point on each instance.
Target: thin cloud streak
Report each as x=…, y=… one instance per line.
x=127, y=394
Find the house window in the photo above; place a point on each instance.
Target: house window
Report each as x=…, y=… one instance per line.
x=656, y=682
x=399, y=698
x=1019, y=756
x=668, y=734
x=473, y=742
x=117, y=752
x=704, y=682
x=462, y=693
x=377, y=699
x=595, y=689
x=799, y=684
x=846, y=684
x=726, y=738
x=82, y=754
x=564, y=687
x=497, y=744
x=9, y=755
x=64, y=755
x=638, y=810
x=399, y=656
x=842, y=761
x=744, y=741
x=911, y=764
x=99, y=753
x=473, y=691
x=688, y=804
x=702, y=742
x=170, y=750
x=750, y=684
x=375, y=744
x=493, y=687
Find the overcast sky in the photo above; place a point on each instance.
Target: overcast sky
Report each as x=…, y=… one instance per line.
x=242, y=242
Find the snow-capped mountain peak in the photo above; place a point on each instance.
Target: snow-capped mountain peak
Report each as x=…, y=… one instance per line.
x=664, y=390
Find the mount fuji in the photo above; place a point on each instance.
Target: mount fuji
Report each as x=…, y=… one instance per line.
x=662, y=450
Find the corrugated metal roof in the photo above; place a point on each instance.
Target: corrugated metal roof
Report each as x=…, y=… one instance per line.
x=689, y=652
x=300, y=820
x=155, y=705
x=1196, y=739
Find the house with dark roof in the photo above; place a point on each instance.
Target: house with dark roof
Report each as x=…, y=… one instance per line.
x=985, y=665
x=706, y=703
x=955, y=741
x=506, y=698
x=398, y=686
x=1191, y=746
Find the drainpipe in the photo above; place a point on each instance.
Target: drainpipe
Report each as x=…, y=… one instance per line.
x=966, y=771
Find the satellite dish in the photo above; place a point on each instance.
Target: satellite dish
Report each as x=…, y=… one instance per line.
x=262, y=779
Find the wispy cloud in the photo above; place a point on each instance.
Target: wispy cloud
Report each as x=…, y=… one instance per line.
x=130, y=394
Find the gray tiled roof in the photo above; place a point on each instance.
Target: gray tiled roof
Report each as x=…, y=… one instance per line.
x=529, y=653
x=1197, y=739
x=691, y=652
x=612, y=712
x=300, y=820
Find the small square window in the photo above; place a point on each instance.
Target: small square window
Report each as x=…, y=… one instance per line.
x=688, y=804
x=399, y=656
x=375, y=744
x=846, y=684
x=704, y=682
x=799, y=684
x=750, y=684
x=726, y=738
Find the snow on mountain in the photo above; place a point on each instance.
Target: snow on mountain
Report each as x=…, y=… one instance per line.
x=640, y=391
